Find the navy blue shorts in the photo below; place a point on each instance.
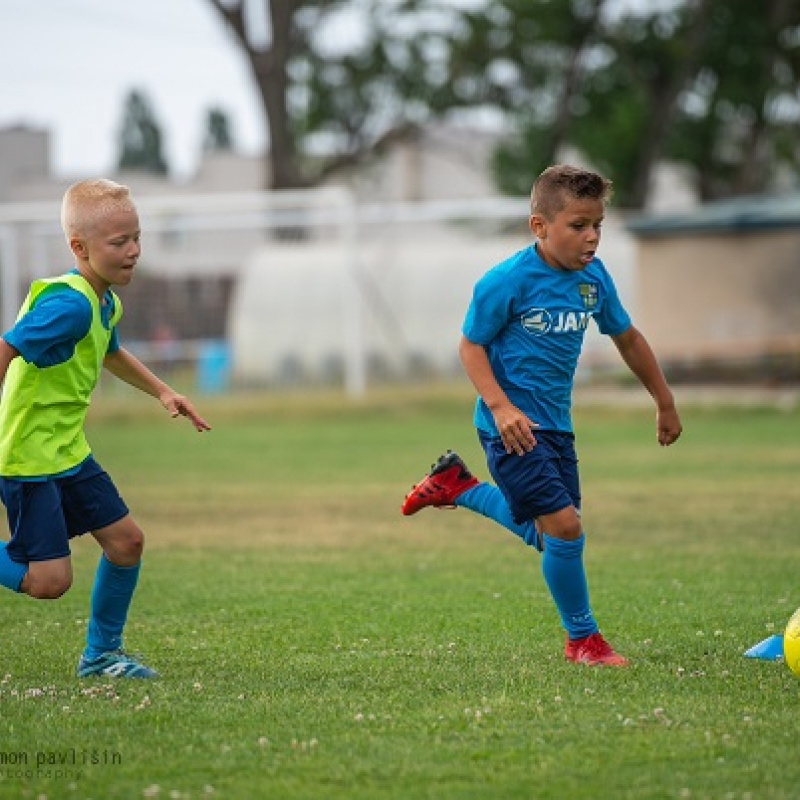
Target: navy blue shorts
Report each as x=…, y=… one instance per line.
x=542, y=481
x=44, y=515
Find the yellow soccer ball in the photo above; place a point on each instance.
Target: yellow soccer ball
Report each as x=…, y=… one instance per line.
x=791, y=643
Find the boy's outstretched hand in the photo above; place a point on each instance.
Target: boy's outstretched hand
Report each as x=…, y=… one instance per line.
x=668, y=425
x=178, y=405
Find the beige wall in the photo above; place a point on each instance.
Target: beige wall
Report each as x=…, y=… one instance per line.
x=722, y=294
x=24, y=156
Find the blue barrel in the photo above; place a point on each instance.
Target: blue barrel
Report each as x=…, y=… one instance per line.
x=213, y=366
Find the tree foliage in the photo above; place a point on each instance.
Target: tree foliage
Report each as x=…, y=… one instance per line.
x=330, y=90
x=140, y=143
x=218, y=136
x=710, y=83
x=740, y=117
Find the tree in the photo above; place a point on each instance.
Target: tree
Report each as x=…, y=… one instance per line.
x=527, y=59
x=664, y=56
x=140, y=137
x=741, y=117
x=572, y=73
x=218, y=135
x=269, y=64
x=709, y=84
x=632, y=103
x=329, y=103
x=706, y=83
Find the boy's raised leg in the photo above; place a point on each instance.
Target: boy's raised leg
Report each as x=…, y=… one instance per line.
x=448, y=478
x=450, y=484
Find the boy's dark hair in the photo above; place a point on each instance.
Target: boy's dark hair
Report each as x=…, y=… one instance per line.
x=561, y=182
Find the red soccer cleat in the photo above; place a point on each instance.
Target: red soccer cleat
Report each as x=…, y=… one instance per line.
x=448, y=478
x=592, y=649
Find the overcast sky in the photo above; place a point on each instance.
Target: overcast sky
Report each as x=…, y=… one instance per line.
x=67, y=65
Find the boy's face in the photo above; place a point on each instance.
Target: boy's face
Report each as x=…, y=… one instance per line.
x=109, y=249
x=570, y=240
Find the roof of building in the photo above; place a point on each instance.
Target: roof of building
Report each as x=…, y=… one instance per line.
x=741, y=214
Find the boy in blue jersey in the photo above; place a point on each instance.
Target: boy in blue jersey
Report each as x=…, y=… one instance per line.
x=521, y=340
x=51, y=485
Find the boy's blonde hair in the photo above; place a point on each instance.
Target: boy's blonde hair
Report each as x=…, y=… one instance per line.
x=86, y=201
x=562, y=182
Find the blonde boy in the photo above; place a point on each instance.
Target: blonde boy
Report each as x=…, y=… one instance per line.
x=50, y=483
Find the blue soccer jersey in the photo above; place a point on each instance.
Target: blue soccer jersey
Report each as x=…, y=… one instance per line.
x=531, y=318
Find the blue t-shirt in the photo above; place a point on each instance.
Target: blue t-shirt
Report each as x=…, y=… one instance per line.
x=59, y=318
x=531, y=318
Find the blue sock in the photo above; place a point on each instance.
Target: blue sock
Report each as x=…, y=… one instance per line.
x=562, y=567
x=111, y=598
x=11, y=572
x=487, y=499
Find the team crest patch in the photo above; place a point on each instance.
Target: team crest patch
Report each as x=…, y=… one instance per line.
x=588, y=294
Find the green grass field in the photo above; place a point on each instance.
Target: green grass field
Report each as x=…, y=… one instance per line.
x=316, y=644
